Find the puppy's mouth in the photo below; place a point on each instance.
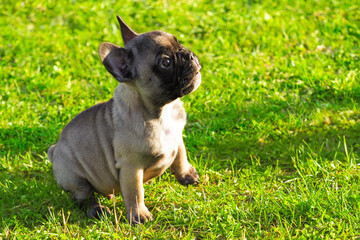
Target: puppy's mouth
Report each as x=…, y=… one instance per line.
x=198, y=67
x=190, y=76
x=197, y=80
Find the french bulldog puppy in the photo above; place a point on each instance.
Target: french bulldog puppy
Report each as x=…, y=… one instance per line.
x=118, y=145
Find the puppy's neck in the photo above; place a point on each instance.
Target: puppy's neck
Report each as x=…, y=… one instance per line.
x=129, y=98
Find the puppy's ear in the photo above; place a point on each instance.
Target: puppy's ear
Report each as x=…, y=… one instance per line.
x=117, y=61
x=126, y=32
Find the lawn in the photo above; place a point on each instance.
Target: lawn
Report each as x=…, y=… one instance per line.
x=274, y=129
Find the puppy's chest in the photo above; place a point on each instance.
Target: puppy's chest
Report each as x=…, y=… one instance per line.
x=165, y=138
x=152, y=143
x=164, y=141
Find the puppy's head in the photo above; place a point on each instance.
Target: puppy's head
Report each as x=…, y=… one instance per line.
x=154, y=63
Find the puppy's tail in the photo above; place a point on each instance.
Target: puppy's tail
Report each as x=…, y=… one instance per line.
x=50, y=152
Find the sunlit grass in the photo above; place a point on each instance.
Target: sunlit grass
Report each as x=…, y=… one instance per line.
x=273, y=130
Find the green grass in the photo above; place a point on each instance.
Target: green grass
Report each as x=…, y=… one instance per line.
x=274, y=129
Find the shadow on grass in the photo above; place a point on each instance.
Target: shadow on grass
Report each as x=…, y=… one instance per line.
x=18, y=140
x=262, y=134
x=25, y=197
x=32, y=198
x=280, y=149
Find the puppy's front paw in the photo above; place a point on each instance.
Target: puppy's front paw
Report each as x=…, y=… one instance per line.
x=139, y=216
x=189, y=177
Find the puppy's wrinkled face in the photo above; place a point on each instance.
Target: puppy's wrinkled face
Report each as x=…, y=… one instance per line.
x=164, y=69
x=155, y=63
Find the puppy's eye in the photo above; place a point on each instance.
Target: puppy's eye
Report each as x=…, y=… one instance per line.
x=165, y=62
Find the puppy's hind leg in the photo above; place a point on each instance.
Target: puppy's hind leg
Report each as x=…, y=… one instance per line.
x=83, y=195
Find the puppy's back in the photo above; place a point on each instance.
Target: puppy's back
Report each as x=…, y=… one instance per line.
x=85, y=149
